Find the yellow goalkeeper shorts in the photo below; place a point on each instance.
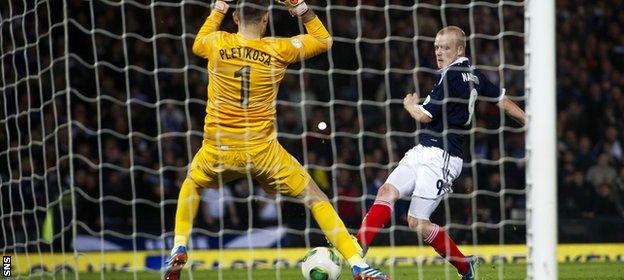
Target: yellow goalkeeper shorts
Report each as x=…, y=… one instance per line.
x=269, y=163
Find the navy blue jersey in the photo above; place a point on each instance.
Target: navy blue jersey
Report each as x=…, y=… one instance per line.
x=450, y=106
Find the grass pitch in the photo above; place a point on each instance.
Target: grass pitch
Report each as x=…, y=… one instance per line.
x=584, y=271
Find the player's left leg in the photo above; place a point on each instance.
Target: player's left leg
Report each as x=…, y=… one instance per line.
x=278, y=171
x=329, y=222
x=434, y=178
x=336, y=232
x=434, y=235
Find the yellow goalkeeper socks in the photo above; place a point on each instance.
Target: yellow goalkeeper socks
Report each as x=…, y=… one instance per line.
x=188, y=203
x=335, y=230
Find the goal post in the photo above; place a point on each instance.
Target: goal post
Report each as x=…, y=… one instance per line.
x=541, y=140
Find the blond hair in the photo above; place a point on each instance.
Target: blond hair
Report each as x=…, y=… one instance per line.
x=460, y=36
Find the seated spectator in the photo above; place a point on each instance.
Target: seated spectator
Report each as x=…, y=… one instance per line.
x=601, y=172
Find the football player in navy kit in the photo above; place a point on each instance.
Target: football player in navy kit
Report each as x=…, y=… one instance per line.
x=427, y=171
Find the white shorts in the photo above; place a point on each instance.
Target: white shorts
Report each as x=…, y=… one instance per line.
x=426, y=174
x=422, y=208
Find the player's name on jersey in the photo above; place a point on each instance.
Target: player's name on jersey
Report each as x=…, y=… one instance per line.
x=469, y=77
x=245, y=53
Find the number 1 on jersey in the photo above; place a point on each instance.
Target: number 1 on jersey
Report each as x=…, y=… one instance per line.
x=244, y=74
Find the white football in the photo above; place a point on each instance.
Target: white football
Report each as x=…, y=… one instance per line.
x=321, y=263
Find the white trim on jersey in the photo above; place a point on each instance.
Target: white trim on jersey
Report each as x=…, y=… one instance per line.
x=422, y=109
x=443, y=71
x=502, y=95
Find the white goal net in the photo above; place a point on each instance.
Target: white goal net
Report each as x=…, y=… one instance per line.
x=102, y=108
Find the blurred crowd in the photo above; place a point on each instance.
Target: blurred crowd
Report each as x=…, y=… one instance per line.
x=137, y=103
x=590, y=115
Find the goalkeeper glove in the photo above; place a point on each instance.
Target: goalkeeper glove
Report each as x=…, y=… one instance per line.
x=222, y=6
x=295, y=7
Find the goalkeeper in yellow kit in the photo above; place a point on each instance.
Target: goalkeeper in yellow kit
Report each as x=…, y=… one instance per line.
x=244, y=72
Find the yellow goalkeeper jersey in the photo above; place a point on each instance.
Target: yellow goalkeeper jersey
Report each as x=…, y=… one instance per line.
x=244, y=77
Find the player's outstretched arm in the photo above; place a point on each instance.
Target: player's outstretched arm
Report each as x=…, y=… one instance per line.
x=318, y=39
x=201, y=45
x=513, y=110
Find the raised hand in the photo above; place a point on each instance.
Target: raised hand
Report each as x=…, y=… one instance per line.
x=295, y=7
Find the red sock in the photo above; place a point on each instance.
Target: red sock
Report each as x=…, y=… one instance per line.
x=438, y=240
x=374, y=221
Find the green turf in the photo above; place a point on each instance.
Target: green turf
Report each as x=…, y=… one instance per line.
x=580, y=271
